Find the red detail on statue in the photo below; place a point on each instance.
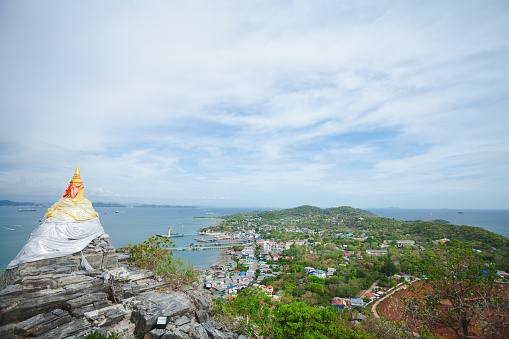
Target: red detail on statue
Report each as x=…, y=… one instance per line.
x=72, y=191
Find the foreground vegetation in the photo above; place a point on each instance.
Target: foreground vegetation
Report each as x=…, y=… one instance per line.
x=153, y=255
x=254, y=313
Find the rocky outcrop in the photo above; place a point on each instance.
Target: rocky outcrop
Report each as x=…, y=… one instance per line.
x=99, y=253
x=57, y=298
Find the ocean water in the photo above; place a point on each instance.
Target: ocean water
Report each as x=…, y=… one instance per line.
x=133, y=227
x=496, y=221
x=139, y=224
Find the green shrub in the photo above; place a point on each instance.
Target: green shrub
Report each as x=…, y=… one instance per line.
x=261, y=318
x=155, y=255
x=97, y=335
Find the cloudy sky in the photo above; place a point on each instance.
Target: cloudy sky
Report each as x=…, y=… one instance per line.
x=257, y=103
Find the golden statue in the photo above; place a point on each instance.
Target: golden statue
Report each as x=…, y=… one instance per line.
x=68, y=227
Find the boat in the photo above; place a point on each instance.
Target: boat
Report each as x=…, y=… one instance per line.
x=120, y=211
x=26, y=210
x=460, y=212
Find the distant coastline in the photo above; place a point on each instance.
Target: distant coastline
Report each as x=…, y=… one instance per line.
x=106, y=204
x=18, y=204
x=95, y=204
x=164, y=206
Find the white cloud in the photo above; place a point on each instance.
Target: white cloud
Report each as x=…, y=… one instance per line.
x=278, y=102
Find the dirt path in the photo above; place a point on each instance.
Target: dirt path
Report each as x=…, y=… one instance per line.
x=371, y=288
x=373, y=308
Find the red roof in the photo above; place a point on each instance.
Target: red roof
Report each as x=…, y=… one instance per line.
x=369, y=295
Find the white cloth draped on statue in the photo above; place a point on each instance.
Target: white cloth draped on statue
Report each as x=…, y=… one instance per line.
x=57, y=238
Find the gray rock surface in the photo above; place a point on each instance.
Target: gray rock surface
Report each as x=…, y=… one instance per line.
x=56, y=298
x=148, y=306
x=202, y=316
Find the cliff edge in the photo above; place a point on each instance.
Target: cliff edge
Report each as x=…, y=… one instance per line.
x=58, y=298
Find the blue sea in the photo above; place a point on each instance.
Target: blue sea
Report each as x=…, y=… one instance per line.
x=496, y=221
x=133, y=227
x=139, y=224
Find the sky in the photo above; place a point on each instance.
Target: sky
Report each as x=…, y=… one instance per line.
x=257, y=103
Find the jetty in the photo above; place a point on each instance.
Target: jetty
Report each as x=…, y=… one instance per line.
x=174, y=235
x=199, y=247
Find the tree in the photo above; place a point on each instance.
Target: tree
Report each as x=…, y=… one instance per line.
x=389, y=269
x=316, y=288
x=155, y=255
x=298, y=320
x=297, y=268
x=458, y=288
x=254, y=309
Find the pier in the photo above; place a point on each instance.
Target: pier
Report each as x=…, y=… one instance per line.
x=205, y=247
x=176, y=235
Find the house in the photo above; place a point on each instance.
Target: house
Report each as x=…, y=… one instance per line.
x=376, y=252
x=268, y=290
x=405, y=242
x=369, y=295
x=248, y=251
x=268, y=246
x=232, y=289
x=319, y=274
x=308, y=269
x=357, y=302
x=288, y=244
x=339, y=304
x=503, y=274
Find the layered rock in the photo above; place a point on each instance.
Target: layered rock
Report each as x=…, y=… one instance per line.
x=99, y=253
x=57, y=298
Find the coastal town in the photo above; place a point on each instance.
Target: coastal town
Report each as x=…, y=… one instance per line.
x=328, y=259
x=337, y=272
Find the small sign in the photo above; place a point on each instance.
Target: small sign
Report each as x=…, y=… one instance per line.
x=161, y=322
